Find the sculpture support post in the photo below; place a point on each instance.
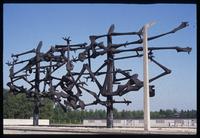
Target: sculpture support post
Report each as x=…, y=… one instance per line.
x=36, y=114
x=146, y=80
x=37, y=87
x=109, y=90
x=110, y=68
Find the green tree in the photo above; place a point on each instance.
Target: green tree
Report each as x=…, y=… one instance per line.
x=155, y=114
x=16, y=106
x=116, y=114
x=47, y=110
x=58, y=115
x=169, y=113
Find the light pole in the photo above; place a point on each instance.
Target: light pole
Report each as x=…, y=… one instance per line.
x=146, y=78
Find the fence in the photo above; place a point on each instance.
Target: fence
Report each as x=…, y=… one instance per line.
x=190, y=123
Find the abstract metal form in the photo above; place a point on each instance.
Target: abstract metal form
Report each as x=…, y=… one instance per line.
x=67, y=86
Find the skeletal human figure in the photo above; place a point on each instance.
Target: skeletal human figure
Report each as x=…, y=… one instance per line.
x=68, y=90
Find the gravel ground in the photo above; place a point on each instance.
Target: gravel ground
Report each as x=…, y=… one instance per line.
x=83, y=130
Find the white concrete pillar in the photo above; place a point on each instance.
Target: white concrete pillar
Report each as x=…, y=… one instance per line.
x=146, y=79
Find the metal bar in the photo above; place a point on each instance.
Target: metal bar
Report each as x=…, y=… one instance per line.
x=140, y=41
x=125, y=78
x=178, y=49
x=89, y=61
x=99, y=73
x=119, y=58
x=166, y=70
x=93, y=77
x=27, y=52
x=125, y=33
x=94, y=37
x=75, y=45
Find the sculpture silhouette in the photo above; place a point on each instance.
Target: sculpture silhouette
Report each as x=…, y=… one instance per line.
x=70, y=85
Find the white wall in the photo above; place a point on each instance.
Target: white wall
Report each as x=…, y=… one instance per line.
x=140, y=122
x=24, y=121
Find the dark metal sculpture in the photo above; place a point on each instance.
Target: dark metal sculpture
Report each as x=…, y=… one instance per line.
x=70, y=86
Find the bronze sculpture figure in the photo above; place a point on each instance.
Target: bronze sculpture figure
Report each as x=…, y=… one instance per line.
x=70, y=85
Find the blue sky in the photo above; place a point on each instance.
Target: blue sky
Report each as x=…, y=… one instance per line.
x=24, y=25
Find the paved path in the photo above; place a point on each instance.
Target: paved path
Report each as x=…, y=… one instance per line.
x=83, y=130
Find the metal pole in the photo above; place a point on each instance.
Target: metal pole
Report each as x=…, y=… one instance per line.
x=110, y=67
x=37, y=86
x=146, y=79
x=110, y=98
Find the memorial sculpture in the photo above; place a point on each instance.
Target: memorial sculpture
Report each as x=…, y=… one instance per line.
x=67, y=87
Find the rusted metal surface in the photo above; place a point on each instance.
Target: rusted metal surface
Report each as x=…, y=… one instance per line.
x=70, y=86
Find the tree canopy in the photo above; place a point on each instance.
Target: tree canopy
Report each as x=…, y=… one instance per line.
x=18, y=106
